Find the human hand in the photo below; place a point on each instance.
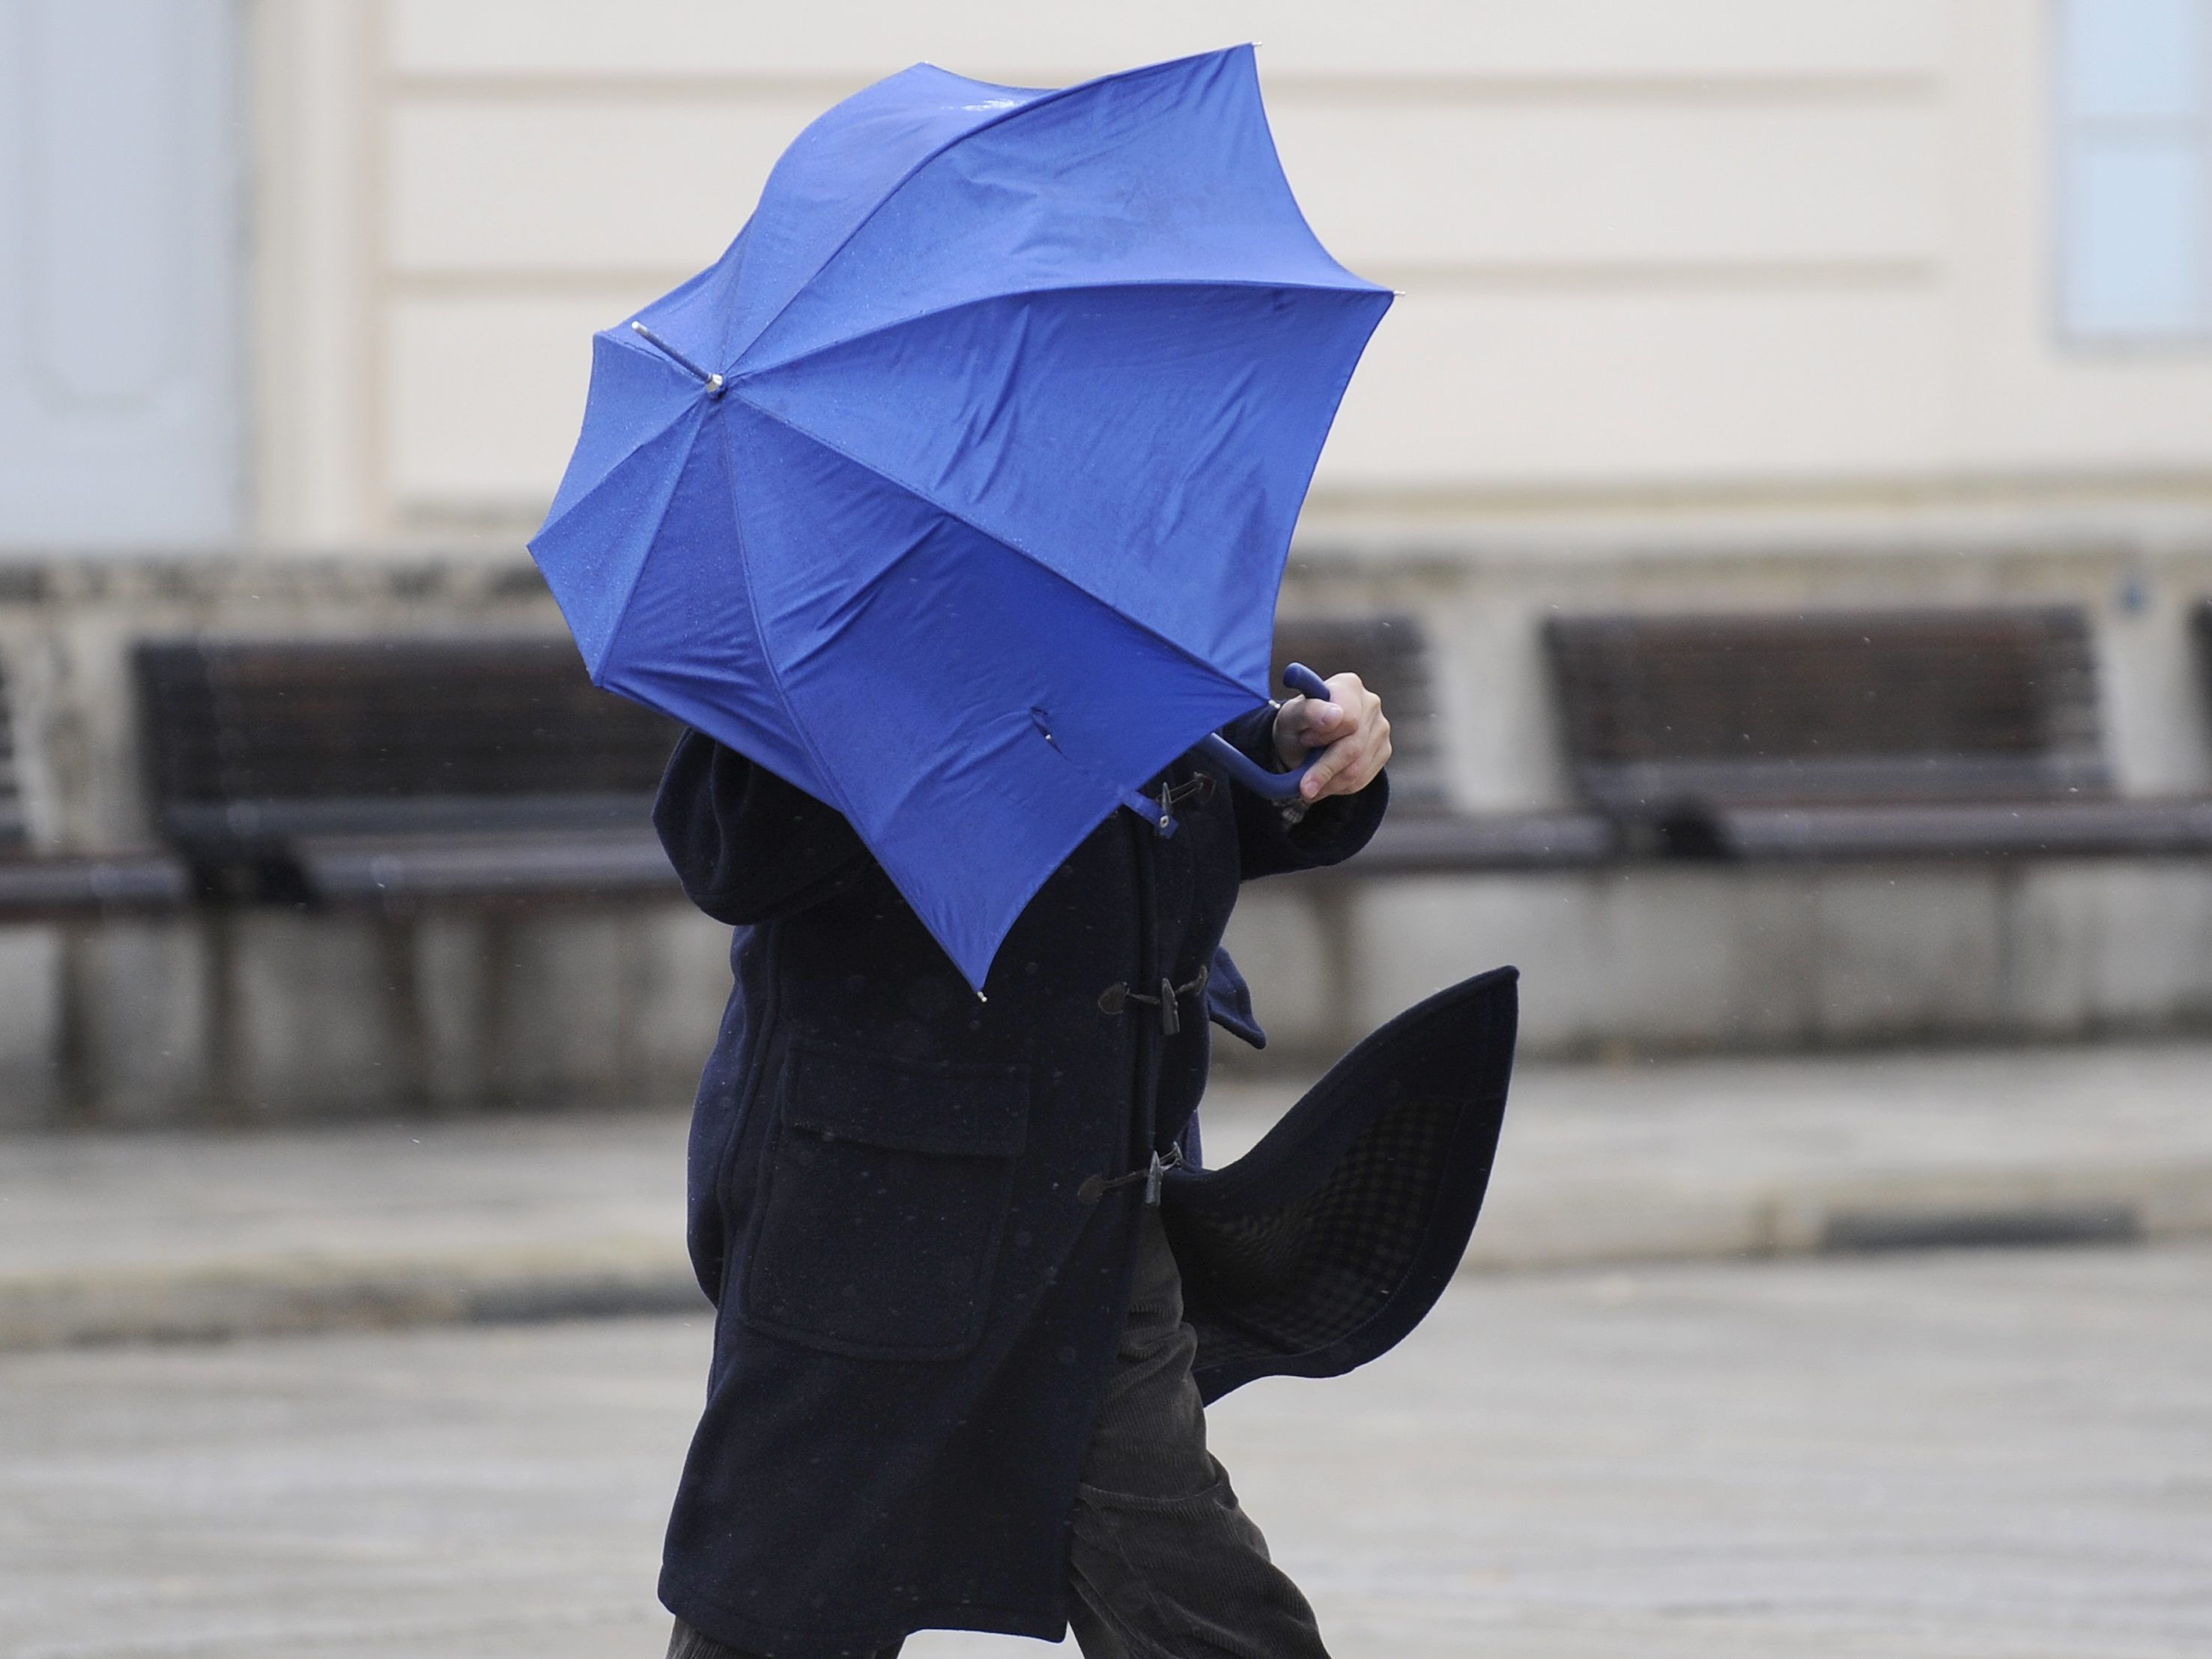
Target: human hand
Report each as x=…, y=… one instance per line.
x=1351, y=732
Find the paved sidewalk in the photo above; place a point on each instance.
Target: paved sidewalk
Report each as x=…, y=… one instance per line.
x=1954, y=1454
x=138, y=1236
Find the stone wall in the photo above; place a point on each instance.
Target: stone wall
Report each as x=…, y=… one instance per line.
x=274, y=1014
x=266, y=1014
x=1652, y=955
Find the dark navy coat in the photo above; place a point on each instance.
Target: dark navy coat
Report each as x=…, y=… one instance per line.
x=899, y=1200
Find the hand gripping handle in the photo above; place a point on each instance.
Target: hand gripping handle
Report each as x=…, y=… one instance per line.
x=1275, y=786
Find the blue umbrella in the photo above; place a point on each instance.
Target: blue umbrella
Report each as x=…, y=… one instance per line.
x=958, y=491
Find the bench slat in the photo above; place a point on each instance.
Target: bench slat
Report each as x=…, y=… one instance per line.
x=1668, y=787
x=1662, y=711
x=14, y=822
x=319, y=721
x=2142, y=829
x=486, y=869
x=248, y=827
x=66, y=889
x=1491, y=842
x=400, y=771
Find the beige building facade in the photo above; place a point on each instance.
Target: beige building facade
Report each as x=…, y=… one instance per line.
x=1670, y=266
x=1713, y=304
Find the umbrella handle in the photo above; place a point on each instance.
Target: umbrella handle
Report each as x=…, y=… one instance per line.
x=1274, y=786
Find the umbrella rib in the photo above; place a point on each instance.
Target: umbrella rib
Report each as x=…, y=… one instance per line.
x=928, y=500
x=660, y=518
x=739, y=376
x=1051, y=95
x=822, y=773
x=652, y=437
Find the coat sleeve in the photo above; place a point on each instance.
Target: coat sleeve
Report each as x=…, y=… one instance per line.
x=747, y=846
x=1331, y=831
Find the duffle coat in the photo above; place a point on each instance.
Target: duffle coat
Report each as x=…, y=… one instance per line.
x=900, y=1200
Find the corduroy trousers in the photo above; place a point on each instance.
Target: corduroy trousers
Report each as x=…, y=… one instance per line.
x=1164, y=1563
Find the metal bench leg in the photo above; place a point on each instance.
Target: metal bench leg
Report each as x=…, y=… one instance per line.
x=1333, y=918
x=633, y=995
x=495, y=1011
x=223, y=1033
x=399, y=971
x=76, y=1091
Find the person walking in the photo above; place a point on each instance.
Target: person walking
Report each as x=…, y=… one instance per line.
x=951, y=1379
x=945, y=509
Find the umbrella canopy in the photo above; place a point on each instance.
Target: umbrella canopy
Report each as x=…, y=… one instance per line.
x=958, y=491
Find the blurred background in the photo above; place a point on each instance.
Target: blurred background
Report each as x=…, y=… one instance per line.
x=1778, y=514
x=1771, y=307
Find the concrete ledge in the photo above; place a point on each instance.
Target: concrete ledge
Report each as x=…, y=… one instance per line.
x=1592, y=1224
x=219, y=1302
x=173, y=1236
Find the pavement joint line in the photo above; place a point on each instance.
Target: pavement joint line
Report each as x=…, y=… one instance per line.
x=300, y=1292
x=304, y=1290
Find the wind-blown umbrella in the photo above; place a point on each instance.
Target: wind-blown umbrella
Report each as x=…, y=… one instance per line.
x=958, y=491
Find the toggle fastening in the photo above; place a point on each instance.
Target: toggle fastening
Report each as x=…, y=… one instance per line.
x=1096, y=1187
x=1117, y=996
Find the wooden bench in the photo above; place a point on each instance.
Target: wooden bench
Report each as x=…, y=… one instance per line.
x=14, y=824
x=393, y=777
x=400, y=773
x=2201, y=626
x=403, y=773
x=45, y=887
x=1421, y=835
x=1968, y=733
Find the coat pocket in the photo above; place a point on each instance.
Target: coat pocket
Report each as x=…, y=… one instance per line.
x=887, y=1188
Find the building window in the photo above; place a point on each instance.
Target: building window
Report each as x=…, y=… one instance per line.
x=2135, y=160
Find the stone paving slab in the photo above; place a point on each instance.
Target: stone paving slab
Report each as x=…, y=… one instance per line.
x=176, y=1234
x=1788, y=1154
x=173, y=1235
x=1939, y=1455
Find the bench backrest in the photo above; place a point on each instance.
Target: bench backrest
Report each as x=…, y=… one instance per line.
x=1390, y=654
x=1661, y=712
x=2202, y=623
x=15, y=823
x=246, y=740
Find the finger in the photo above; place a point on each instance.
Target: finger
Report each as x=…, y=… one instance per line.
x=1318, y=722
x=1288, y=732
x=1329, y=767
x=1345, y=711
x=1349, y=766
x=1302, y=724
x=1300, y=712
x=1344, y=729
x=1360, y=772
x=1338, y=723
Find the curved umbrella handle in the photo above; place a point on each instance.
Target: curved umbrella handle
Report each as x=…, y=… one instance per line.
x=1274, y=786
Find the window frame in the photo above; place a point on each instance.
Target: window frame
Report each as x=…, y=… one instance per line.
x=2074, y=331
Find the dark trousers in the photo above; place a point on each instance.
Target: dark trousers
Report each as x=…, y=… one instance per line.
x=1165, y=1564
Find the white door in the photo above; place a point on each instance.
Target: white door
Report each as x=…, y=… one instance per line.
x=120, y=379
